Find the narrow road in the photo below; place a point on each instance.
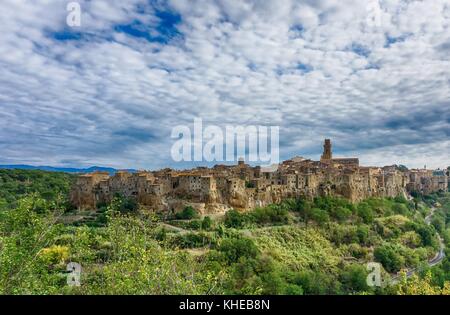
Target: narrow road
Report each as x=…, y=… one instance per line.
x=433, y=261
x=173, y=228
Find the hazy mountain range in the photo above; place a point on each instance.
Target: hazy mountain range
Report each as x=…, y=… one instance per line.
x=64, y=169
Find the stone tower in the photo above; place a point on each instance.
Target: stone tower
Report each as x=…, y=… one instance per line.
x=327, y=154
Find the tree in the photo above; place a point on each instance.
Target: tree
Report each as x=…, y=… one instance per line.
x=438, y=223
x=3, y=204
x=188, y=213
x=365, y=212
x=400, y=208
x=388, y=256
x=317, y=283
x=353, y=278
x=234, y=219
x=318, y=215
x=342, y=214
x=301, y=206
x=235, y=248
x=270, y=214
x=418, y=286
x=25, y=236
x=123, y=204
x=426, y=233
x=206, y=223
x=363, y=234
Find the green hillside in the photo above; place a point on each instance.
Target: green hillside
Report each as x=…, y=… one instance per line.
x=320, y=246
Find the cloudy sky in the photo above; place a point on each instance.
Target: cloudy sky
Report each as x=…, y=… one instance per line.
x=109, y=91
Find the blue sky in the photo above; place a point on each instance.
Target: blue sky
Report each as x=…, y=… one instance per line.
x=110, y=91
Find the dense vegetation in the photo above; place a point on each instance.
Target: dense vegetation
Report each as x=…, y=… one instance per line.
x=318, y=246
x=15, y=184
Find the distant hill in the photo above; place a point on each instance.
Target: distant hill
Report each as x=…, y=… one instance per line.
x=64, y=169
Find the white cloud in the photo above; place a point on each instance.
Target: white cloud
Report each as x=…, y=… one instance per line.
x=313, y=67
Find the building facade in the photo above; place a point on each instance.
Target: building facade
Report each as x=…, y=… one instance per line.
x=241, y=186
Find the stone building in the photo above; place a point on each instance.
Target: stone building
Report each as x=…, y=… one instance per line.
x=427, y=181
x=327, y=157
x=241, y=186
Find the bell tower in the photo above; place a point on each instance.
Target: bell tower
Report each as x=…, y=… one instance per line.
x=327, y=154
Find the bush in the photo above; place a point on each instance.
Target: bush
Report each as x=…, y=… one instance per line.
x=189, y=240
x=342, y=214
x=426, y=234
x=363, y=234
x=317, y=283
x=389, y=257
x=235, y=219
x=195, y=224
x=235, y=248
x=188, y=213
x=439, y=224
x=206, y=223
x=318, y=215
x=342, y=234
x=353, y=278
x=54, y=255
x=365, y=212
x=124, y=204
x=400, y=209
x=270, y=214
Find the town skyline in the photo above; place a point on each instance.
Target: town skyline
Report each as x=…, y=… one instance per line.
x=183, y=166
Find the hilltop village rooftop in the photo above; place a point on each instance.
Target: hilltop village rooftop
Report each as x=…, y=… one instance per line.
x=241, y=186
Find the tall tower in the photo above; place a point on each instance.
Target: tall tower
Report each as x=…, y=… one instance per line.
x=327, y=154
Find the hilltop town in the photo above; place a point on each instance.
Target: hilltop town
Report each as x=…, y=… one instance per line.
x=243, y=187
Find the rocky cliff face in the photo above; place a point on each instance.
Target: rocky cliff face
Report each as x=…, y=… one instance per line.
x=242, y=187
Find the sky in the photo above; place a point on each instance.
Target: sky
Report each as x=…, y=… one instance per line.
x=109, y=92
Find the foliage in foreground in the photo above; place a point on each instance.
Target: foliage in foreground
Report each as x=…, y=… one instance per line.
x=296, y=247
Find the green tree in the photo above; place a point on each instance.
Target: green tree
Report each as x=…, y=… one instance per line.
x=188, y=213
x=235, y=219
x=389, y=257
x=342, y=214
x=318, y=215
x=235, y=248
x=365, y=212
x=206, y=223
x=353, y=278
x=123, y=204
x=24, y=236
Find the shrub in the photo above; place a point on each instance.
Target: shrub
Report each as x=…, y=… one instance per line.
x=353, y=278
x=439, y=224
x=365, y=212
x=235, y=248
x=389, y=257
x=195, y=224
x=317, y=283
x=342, y=213
x=400, y=209
x=363, y=234
x=270, y=214
x=54, y=255
x=206, y=223
x=235, y=219
x=318, y=215
x=188, y=213
x=123, y=204
x=426, y=234
x=189, y=240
